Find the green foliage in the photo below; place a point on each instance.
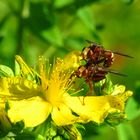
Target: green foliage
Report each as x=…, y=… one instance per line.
x=104, y=87
x=5, y=124
x=55, y=27
x=137, y=91
x=6, y=71
x=126, y=132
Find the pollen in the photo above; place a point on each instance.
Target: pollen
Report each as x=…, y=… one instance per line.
x=59, y=83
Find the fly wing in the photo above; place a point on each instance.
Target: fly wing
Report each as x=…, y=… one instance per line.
x=115, y=72
x=118, y=53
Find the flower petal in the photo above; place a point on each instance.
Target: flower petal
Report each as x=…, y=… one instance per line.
x=118, y=89
x=18, y=88
x=63, y=115
x=22, y=69
x=94, y=108
x=32, y=111
x=72, y=60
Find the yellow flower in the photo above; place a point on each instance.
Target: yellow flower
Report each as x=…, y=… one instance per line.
x=33, y=97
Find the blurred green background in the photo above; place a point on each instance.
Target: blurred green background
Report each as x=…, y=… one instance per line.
x=53, y=28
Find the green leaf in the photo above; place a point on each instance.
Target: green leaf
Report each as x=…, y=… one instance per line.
x=108, y=86
x=18, y=127
x=26, y=136
x=137, y=92
x=53, y=35
x=126, y=132
x=17, y=68
x=22, y=69
x=98, y=88
x=49, y=52
x=128, y=1
x=6, y=71
x=61, y=3
x=103, y=87
x=58, y=138
x=40, y=17
x=5, y=124
x=132, y=109
x=86, y=16
x=69, y=132
x=115, y=118
x=46, y=129
x=40, y=137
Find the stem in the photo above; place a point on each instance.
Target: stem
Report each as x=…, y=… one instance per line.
x=20, y=28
